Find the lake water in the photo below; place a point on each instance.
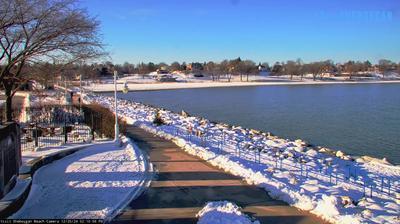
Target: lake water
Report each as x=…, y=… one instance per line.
x=362, y=119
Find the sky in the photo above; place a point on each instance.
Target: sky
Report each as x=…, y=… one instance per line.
x=261, y=30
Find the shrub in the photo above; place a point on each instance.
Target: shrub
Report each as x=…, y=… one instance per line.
x=102, y=120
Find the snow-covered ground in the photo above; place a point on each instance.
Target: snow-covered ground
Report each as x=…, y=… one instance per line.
x=93, y=183
x=337, y=187
x=28, y=155
x=222, y=212
x=135, y=84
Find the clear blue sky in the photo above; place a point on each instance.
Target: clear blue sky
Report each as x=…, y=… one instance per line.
x=261, y=30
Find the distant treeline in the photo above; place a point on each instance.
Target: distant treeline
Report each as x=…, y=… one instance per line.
x=48, y=73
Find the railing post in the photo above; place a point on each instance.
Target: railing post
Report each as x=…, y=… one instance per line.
x=65, y=132
x=92, y=124
x=36, y=135
x=370, y=186
x=301, y=169
x=336, y=177
x=364, y=183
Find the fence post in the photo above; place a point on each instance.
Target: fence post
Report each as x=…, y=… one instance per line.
x=364, y=186
x=370, y=185
x=355, y=174
x=65, y=131
x=92, y=124
x=306, y=170
x=336, y=177
x=349, y=172
x=301, y=169
x=36, y=135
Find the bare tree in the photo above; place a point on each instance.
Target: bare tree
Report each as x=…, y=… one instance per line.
x=234, y=68
x=248, y=67
x=175, y=66
x=278, y=68
x=143, y=69
x=128, y=68
x=211, y=69
x=351, y=68
x=398, y=69
x=314, y=68
x=41, y=30
x=44, y=73
x=293, y=68
x=225, y=68
x=385, y=66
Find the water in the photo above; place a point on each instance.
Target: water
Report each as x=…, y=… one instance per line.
x=359, y=119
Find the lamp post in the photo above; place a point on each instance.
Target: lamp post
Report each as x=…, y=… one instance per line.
x=80, y=94
x=116, y=137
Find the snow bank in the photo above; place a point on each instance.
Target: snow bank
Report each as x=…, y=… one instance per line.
x=222, y=212
x=93, y=183
x=331, y=184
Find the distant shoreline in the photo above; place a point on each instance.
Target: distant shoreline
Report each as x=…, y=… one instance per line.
x=195, y=85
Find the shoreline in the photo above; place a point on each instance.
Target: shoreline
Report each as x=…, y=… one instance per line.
x=287, y=169
x=381, y=161
x=98, y=88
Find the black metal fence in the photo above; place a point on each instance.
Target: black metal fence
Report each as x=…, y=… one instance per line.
x=54, y=125
x=10, y=155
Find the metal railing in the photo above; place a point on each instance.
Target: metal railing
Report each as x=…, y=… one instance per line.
x=53, y=125
x=326, y=169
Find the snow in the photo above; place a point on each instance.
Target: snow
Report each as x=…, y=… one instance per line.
x=138, y=83
x=28, y=155
x=93, y=183
x=222, y=212
x=332, y=185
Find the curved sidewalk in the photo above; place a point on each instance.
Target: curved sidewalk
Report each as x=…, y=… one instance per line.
x=183, y=184
x=87, y=184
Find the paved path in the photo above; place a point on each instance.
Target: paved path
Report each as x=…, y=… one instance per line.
x=184, y=183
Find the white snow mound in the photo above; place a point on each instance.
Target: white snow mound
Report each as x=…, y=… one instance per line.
x=223, y=212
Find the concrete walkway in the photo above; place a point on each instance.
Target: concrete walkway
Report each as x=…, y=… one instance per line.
x=183, y=184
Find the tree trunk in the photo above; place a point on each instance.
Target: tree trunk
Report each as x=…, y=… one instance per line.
x=247, y=77
x=8, y=105
x=291, y=77
x=314, y=77
x=241, y=77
